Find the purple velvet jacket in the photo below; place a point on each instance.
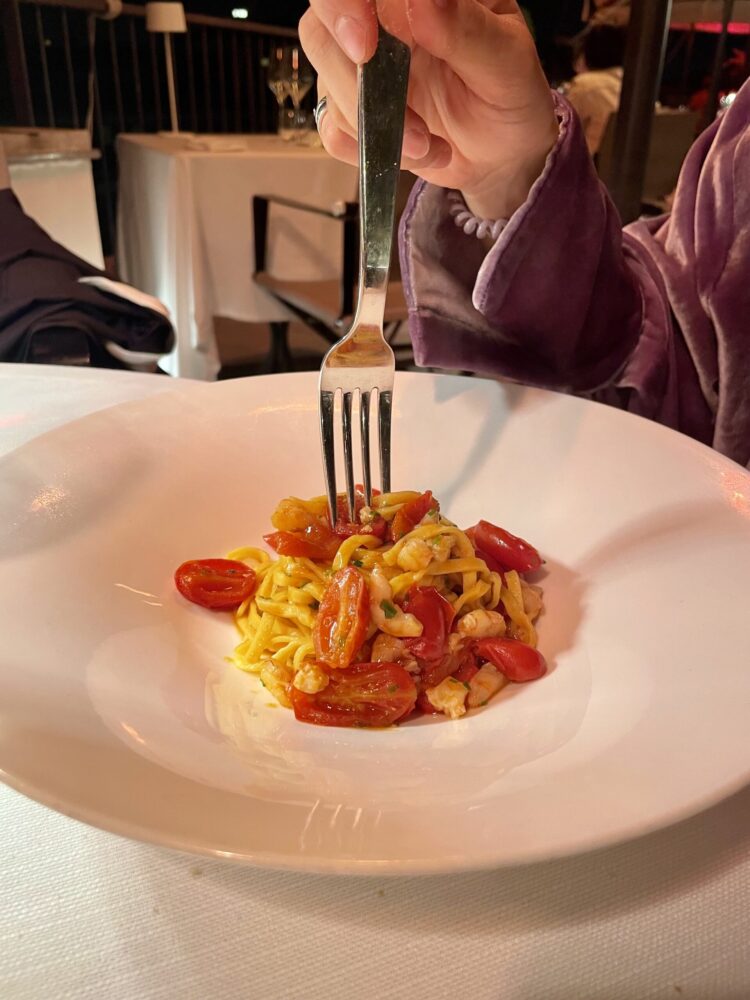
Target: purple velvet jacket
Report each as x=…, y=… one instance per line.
x=654, y=318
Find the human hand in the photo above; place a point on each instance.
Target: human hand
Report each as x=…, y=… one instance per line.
x=480, y=116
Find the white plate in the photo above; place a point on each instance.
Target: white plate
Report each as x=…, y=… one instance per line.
x=117, y=708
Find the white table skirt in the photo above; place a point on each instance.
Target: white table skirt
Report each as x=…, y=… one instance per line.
x=185, y=230
x=86, y=915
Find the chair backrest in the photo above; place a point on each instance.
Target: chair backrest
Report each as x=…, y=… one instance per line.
x=672, y=134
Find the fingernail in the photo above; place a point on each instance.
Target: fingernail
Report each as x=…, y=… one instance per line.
x=351, y=36
x=416, y=143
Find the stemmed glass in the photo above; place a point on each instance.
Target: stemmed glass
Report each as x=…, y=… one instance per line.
x=279, y=79
x=301, y=81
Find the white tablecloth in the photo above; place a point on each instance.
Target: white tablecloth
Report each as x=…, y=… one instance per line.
x=185, y=229
x=60, y=197
x=86, y=916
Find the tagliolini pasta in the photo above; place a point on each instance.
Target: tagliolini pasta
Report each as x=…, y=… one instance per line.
x=400, y=608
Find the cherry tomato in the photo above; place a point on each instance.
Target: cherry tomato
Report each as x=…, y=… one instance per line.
x=492, y=564
x=343, y=618
x=316, y=542
x=435, y=671
x=305, y=535
x=512, y=657
x=378, y=527
x=467, y=669
x=508, y=551
x=436, y=616
x=219, y=584
x=366, y=694
x=409, y=516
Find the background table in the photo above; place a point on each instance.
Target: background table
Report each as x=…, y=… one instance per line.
x=50, y=171
x=85, y=915
x=185, y=229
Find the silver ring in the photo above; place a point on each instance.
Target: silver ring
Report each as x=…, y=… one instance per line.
x=320, y=109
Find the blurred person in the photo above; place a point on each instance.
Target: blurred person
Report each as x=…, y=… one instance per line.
x=613, y=12
x=514, y=261
x=596, y=87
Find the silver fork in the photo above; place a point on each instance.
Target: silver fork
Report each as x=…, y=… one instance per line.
x=362, y=362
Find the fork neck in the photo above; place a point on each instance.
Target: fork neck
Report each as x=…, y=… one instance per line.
x=383, y=84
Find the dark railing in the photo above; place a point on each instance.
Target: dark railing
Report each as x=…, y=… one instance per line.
x=67, y=67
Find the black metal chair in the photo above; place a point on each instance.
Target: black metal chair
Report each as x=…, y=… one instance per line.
x=327, y=306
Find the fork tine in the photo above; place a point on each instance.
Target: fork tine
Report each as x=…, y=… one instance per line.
x=385, y=400
x=346, y=412
x=364, y=419
x=329, y=452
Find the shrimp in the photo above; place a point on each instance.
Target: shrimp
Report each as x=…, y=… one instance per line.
x=485, y=683
x=388, y=616
x=389, y=649
x=481, y=624
x=416, y=554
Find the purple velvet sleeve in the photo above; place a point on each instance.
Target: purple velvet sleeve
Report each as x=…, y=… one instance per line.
x=653, y=318
x=553, y=302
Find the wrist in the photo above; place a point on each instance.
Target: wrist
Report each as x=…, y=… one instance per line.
x=502, y=191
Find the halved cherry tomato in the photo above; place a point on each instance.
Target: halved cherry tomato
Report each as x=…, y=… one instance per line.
x=435, y=671
x=316, y=542
x=409, y=516
x=309, y=536
x=513, y=658
x=219, y=584
x=366, y=694
x=436, y=616
x=343, y=618
x=508, y=551
x=378, y=527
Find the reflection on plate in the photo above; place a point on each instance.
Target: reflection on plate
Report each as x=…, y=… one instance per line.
x=117, y=707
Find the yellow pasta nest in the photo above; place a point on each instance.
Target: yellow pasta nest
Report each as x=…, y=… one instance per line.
x=276, y=624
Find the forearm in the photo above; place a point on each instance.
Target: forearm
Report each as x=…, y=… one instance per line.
x=555, y=301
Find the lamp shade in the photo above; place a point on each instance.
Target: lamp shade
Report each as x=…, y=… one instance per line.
x=707, y=11
x=165, y=17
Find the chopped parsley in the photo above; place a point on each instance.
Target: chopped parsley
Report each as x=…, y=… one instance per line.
x=388, y=609
x=392, y=688
x=357, y=562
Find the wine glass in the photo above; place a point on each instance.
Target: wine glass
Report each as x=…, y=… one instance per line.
x=279, y=79
x=300, y=81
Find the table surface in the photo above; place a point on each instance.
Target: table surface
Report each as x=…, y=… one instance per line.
x=260, y=144
x=84, y=914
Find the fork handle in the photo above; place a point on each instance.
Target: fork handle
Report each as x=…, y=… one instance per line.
x=383, y=83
